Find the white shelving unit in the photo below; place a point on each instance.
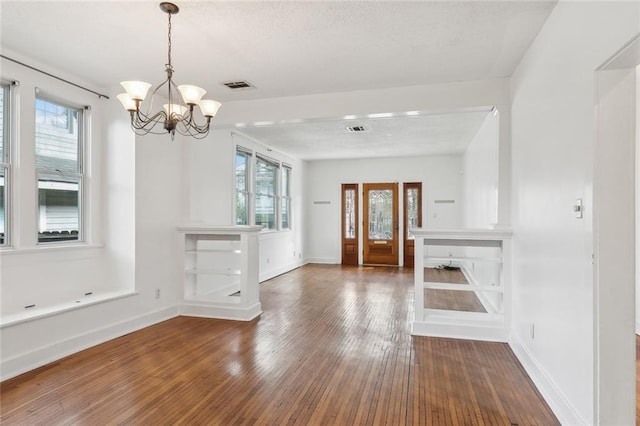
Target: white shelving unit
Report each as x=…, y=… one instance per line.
x=483, y=257
x=220, y=272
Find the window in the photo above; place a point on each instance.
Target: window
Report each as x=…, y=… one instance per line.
x=243, y=160
x=59, y=166
x=285, y=199
x=266, y=192
x=4, y=163
x=262, y=191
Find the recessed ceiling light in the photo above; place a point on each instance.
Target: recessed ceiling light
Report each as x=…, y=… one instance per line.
x=381, y=115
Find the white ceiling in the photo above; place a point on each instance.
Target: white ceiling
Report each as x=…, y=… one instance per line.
x=399, y=135
x=284, y=48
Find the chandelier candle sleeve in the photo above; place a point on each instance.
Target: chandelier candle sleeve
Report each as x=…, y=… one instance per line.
x=177, y=115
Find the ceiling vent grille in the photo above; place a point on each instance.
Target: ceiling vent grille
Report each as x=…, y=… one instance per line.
x=354, y=129
x=235, y=85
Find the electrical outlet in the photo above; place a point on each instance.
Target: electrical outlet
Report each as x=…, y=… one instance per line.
x=157, y=293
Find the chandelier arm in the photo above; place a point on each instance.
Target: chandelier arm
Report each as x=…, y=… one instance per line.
x=198, y=135
x=148, y=122
x=192, y=126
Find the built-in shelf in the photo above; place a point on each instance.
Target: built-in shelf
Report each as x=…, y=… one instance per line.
x=220, y=266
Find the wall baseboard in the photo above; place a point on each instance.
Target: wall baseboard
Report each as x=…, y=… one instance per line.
x=225, y=312
x=560, y=406
x=267, y=275
x=29, y=361
x=484, y=332
x=324, y=260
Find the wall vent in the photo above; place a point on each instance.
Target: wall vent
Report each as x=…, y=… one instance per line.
x=353, y=129
x=241, y=84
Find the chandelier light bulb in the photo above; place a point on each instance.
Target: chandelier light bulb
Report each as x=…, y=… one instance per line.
x=174, y=110
x=209, y=107
x=191, y=95
x=137, y=90
x=128, y=103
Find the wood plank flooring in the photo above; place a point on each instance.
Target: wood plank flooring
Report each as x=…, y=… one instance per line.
x=331, y=348
x=466, y=301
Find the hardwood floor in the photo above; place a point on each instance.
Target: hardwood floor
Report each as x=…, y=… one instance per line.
x=331, y=348
x=466, y=301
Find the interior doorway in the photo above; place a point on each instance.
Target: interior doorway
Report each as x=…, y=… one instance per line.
x=614, y=218
x=380, y=213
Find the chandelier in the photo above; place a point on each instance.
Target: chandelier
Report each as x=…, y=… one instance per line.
x=178, y=113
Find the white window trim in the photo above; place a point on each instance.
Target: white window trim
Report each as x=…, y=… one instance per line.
x=10, y=123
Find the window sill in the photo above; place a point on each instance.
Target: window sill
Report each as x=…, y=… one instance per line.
x=33, y=314
x=44, y=248
x=274, y=232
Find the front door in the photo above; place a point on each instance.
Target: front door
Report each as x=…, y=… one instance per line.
x=380, y=211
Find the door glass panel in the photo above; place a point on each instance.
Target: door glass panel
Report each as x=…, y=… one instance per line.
x=380, y=214
x=349, y=213
x=412, y=210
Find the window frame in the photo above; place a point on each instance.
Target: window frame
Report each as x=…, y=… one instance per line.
x=8, y=112
x=78, y=176
x=276, y=186
x=248, y=154
x=285, y=194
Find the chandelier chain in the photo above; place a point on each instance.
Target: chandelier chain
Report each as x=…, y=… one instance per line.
x=169, y=43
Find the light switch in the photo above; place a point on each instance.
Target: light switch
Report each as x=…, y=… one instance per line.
x=577, y=208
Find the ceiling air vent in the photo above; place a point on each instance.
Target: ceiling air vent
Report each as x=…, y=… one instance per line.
x=235, y=85
x=353, y=129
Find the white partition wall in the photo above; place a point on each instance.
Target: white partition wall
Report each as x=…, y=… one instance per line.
x=221, y=272
x=490, y=290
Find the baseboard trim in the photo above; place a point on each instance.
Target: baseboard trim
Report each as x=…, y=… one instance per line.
x=487, y=333
x=279, y=271
x=37, y=358
x=324, y=260
x=560, y=406
x=224, y=312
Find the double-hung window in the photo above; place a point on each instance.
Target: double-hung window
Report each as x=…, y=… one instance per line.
x=243, y=169
x=266, y=189
x=59, y=140
x=285, y=198
x=4, y=163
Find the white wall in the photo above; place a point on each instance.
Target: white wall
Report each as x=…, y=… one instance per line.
x=441, y=180
x=553, y=141
x=480, y=176
x=51, y=282
x=136, y=189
